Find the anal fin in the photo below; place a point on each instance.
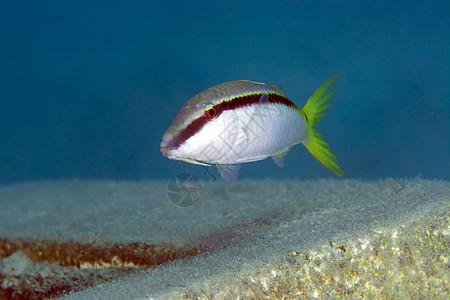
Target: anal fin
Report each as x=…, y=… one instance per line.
x=279, y=157
x=229, y=172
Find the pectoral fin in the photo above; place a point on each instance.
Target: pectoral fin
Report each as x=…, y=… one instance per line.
x=229, y=172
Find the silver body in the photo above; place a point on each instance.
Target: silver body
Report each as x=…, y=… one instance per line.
x=246, y=134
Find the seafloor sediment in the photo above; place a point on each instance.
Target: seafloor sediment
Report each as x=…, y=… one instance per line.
x=249, y=239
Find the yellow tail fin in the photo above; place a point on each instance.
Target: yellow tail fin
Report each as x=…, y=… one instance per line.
x=315, y=110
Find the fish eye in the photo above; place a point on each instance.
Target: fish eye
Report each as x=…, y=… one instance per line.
x=211, y=113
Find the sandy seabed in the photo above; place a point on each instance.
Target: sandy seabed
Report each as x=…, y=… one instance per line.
x=85, y=239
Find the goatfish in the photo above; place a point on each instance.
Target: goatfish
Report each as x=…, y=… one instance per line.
x=244, y=121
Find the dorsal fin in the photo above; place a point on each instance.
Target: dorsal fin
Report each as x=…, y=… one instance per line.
x=276, y=86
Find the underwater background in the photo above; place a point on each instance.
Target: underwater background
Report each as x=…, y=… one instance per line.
x=90, y=209
x=89, y=87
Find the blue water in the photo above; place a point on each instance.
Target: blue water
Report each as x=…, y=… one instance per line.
x=88, y=88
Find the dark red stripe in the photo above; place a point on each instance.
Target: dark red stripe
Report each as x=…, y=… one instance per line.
x=197, y=124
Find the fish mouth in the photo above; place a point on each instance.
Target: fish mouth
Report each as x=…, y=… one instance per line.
x=166, y=147
x=169, y=150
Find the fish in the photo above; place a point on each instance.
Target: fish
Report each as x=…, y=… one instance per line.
x=244, y=121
